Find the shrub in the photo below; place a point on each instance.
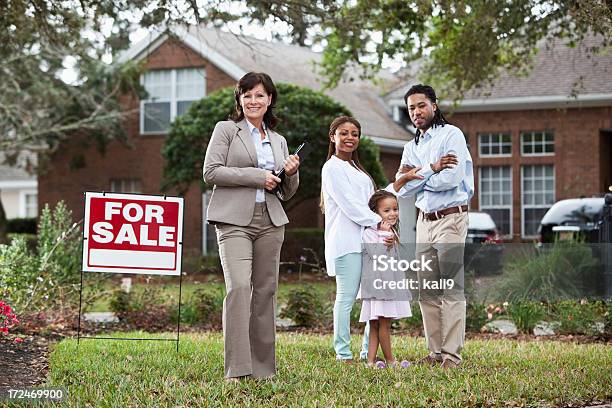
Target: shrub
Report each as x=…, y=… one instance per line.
x=22, y=225
x=305, y=246
x=146, y=308
x=579, y=317
x=556, y=273
x=121, y=303
x=208, y=305
x=303, y=306
x=475, y=316
x=194, y=262
x=525, y=315
x=48, y=277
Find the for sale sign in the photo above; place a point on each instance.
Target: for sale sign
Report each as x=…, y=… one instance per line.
x=132, y=233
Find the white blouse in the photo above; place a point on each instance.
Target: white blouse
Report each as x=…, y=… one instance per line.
x=346, y=192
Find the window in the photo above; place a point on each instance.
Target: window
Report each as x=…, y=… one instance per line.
x=31, y=205
x=171, y=92
x=538, y=194
x=494, y=144
x=537, y=143
x=495, y=186
x=125, y=186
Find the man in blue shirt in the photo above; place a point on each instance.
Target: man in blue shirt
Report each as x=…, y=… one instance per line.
x=442, y=196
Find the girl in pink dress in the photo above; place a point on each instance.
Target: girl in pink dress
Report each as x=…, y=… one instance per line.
x=380, y=312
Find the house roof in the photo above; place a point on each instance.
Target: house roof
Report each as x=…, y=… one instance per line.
x=14, y=173
x=237, y=55
x=561, y=76
x=13, y=178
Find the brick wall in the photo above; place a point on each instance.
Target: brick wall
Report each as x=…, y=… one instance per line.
x=579, y=151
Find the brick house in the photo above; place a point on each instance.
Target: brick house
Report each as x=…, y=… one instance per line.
x=180, y=69
x=537, y=139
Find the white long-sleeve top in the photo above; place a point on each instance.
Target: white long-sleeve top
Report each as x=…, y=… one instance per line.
x=346, y=192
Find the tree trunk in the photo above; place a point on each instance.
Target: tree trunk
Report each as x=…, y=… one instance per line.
x=3, y=225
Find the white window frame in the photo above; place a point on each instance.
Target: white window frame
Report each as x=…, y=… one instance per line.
x=23, y=213
x=481, y=134
x=523, y=133
x=499, y=206
x=534, y=206
x=173, y=98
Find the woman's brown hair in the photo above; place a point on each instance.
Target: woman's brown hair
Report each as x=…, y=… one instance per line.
x=332, y=148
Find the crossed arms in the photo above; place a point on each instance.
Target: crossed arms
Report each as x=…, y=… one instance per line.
x=445, y=174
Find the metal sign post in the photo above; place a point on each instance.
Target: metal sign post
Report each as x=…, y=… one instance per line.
x=132, y=234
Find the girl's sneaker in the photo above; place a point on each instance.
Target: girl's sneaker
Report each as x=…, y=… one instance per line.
x=402, y=364
x=380, y=364
x=377, y=365
x=405, y=364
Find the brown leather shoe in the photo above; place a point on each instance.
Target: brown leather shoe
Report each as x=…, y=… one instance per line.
x=428, y=360
x=448, y=364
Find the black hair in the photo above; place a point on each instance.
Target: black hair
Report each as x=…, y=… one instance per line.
x=249, y=81
x=428, y=91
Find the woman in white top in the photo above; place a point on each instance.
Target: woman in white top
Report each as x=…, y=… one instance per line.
x=346, y=188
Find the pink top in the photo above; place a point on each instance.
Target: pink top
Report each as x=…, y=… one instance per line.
x=372, y=235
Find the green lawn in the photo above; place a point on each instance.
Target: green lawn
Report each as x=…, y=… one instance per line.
x=170, y=292
x=495, y=373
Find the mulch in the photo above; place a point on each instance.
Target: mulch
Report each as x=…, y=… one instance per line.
x=23, y=364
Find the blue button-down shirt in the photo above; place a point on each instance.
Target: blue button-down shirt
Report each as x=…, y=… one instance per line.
x=265, y=157
x=448, y=188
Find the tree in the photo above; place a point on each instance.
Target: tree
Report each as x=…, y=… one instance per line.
x=38, y=109
x=458, y=44
x=302, y=113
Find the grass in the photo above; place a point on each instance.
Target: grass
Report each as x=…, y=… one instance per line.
x=495, y=373
x=326, y=289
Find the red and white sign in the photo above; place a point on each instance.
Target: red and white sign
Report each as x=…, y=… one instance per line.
x=132, y=233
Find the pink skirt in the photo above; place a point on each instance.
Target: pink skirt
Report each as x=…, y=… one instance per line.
x=392, y=309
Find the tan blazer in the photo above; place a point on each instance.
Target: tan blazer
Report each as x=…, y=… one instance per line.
x=231, y=165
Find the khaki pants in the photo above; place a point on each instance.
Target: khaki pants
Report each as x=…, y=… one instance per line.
x=250, y=258
x=443, y=312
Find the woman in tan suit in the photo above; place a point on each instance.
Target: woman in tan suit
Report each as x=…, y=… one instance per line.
x=242, y=159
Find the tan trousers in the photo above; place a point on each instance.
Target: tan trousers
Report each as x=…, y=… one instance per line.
x=443, y=312
x=250, y=258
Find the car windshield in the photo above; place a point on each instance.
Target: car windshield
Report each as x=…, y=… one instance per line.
x=574, y=212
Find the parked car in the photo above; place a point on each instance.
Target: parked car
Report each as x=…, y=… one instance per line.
x=575, y=216
x=484, y=246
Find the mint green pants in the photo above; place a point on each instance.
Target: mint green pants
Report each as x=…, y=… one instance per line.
x=348, y=277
